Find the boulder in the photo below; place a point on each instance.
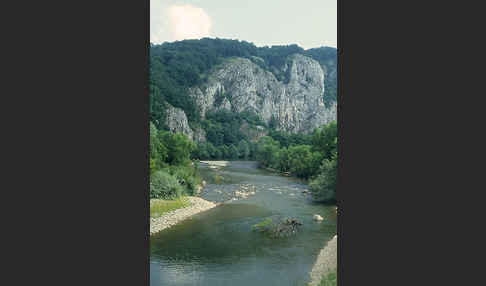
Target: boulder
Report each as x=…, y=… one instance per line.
x=318, y=217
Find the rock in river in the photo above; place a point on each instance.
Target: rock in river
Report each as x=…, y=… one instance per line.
x=318, y=217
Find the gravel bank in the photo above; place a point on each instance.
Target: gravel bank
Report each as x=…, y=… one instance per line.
x=216, y=163
x=171, y=218
x=326, y=261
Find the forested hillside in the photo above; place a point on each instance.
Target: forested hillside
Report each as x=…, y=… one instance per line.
x=177, y=66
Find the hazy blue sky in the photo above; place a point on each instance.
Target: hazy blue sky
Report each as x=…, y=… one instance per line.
x=307, y=23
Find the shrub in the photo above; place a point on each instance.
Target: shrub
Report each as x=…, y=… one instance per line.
x=187, y=177
x=262, y=224
x=164, y=186
x=323, y=188
x=300, y=158
x=329, y=280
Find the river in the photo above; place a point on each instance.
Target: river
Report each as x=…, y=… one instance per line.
x=219, y=248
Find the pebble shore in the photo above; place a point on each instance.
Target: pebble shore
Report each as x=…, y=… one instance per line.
x=169, y=219
x=325, y=262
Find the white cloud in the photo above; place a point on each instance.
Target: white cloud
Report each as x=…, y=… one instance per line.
x=188, y=22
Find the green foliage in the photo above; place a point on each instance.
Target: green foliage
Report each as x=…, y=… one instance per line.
x=301, y=161
x=287, y=139
x=201, y=151
x=224, y=130
x=251, y=118
x=233, y=152
x=223, y=127
x=158, y=150
x=164, y=186
x=316, y=161
x=187, y=177
x=179, y=147
x=266, y=151
x=264, y=223
x=244, y=149
x=159, y=207
x=323, y=187
x=283, y=164
x=329, y=280
x=171, y=171
x=324, y=140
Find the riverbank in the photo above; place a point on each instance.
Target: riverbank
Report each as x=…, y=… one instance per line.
x=196, y=205
x=326, y=262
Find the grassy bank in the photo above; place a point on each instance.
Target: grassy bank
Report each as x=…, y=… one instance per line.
x=159, y=207
x=329, y=280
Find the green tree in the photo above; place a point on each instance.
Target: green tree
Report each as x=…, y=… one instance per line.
x=244, y=149
x=283, y=160
x=179, y=147
x=201, y=151
x=158, y=150
x=323, y=187
x=225, y=152
x=266, y=151
x=324, y=140
x=234, y=154
x=300, y=158
x=164, y=186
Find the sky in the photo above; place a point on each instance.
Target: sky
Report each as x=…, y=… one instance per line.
x=307, y=23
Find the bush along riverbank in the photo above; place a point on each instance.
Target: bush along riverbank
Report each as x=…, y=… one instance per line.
x=174, y=180
x=315, y=161
x=172, y=173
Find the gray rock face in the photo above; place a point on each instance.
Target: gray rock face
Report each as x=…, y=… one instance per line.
x=199, y=135
x=298, y=105
x=177, y=121
x=225, y=105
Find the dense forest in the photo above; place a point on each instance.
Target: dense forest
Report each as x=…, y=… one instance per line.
x=311, y=157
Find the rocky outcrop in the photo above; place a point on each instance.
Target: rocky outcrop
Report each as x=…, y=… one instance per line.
x=225, y=104
x=176, y=120
x=199, y=135
x=253, y=132
x=298, y=105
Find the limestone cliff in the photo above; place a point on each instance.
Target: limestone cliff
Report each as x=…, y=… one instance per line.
x=296, y=103
x=176, y=120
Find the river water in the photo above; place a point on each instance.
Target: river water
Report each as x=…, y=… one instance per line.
x=219, y=248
